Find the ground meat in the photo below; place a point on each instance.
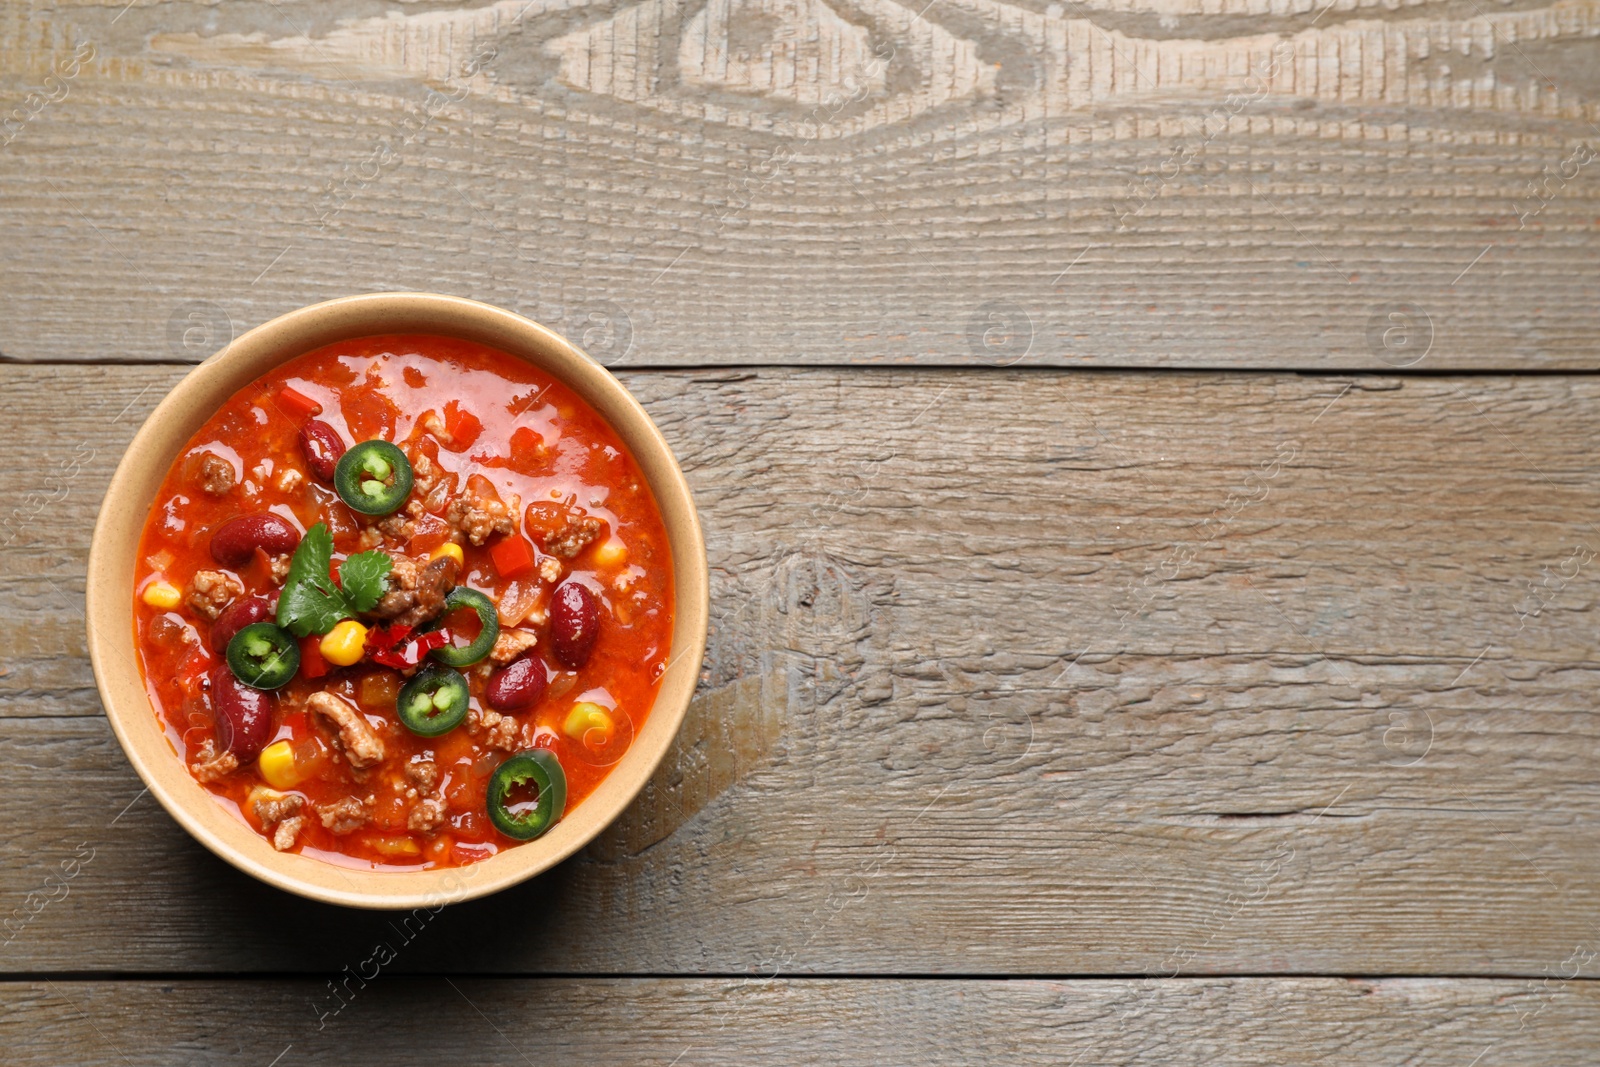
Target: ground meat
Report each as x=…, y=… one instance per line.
x=574, y=537
x=511, y=644
x=342, y=816
x=362, y=745
x=424, y=473
x=430, y=484
x=283, y=837
x=550, y=569
x=402, y=525
x=427, y=815
x=422, y=773
x=281, y=808
x=208, y=766
x=211, y=591
x=270, y=806
x=216, y=474
x=480, y=518
x=416, y=590
x=499, y=731
x=289, y=480
x=279, y=566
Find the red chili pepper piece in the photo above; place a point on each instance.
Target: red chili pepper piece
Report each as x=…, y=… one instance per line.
x=512, y=556
x=297, y=402
x=402, y=646
x=312, y=665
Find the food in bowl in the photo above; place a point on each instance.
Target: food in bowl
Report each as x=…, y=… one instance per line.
x=402, y=602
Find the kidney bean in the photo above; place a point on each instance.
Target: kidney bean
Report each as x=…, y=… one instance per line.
x=574, y=624
x=243, y=715
x=322, y=446
x=235, y=541
x=519, y=684
x=237, y=616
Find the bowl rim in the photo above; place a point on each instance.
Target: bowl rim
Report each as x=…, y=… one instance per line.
x=158, y=442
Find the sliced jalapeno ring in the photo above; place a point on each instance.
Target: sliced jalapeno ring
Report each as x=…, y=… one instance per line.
x=467, y=655
x=263, y=656
x=374, y=478
x=527, y=794
x=434, y=702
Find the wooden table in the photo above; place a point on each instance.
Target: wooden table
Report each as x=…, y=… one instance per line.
x=1146, y=451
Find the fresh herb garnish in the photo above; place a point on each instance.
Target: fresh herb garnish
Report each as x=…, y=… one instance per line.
x=311, y=603
x=364, y=577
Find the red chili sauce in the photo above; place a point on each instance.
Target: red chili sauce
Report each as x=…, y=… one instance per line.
x=536, y=493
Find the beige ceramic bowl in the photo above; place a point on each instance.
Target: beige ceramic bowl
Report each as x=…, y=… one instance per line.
x=158, y=443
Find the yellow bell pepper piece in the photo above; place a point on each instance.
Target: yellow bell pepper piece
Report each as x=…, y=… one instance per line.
x=344, y=644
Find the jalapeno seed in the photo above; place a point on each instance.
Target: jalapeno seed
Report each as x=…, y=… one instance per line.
x=434, y=702
x=263, y=655
x=374, y=477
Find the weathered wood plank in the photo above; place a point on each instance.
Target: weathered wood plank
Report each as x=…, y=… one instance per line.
x=1021, y=672
x=1321, y=1022
x=1134, y=182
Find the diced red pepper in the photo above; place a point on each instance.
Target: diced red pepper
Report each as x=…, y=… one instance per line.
x=380, y=638
x=402, y=646
x=512, y=556
x=295, y=402
x=527, y=455
x=462, y=426
x=525, y=439
x=312, y=665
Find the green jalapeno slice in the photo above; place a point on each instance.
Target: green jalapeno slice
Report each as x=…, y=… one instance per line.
x=374, y=478
x=434, y=702
x=527, y=794
x=263, y=656
x=468, y=654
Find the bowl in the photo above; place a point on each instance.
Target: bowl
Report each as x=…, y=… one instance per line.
x=163, y=436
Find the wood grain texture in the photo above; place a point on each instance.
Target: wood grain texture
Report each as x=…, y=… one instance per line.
x=1239, y=183
x=1321, y=1022
x=1011, y=672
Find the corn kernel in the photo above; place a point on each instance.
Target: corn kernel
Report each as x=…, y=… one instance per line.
x=451, y=549
x=278, y=765
x=611, y=554
x=163, y=596
x=344, y=644
x=585, y=717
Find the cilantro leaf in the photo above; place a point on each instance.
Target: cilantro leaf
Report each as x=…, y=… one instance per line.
x=311, y=603
x=364, y=577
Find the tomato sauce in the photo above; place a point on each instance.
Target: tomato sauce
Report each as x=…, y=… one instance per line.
x=480, y=418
